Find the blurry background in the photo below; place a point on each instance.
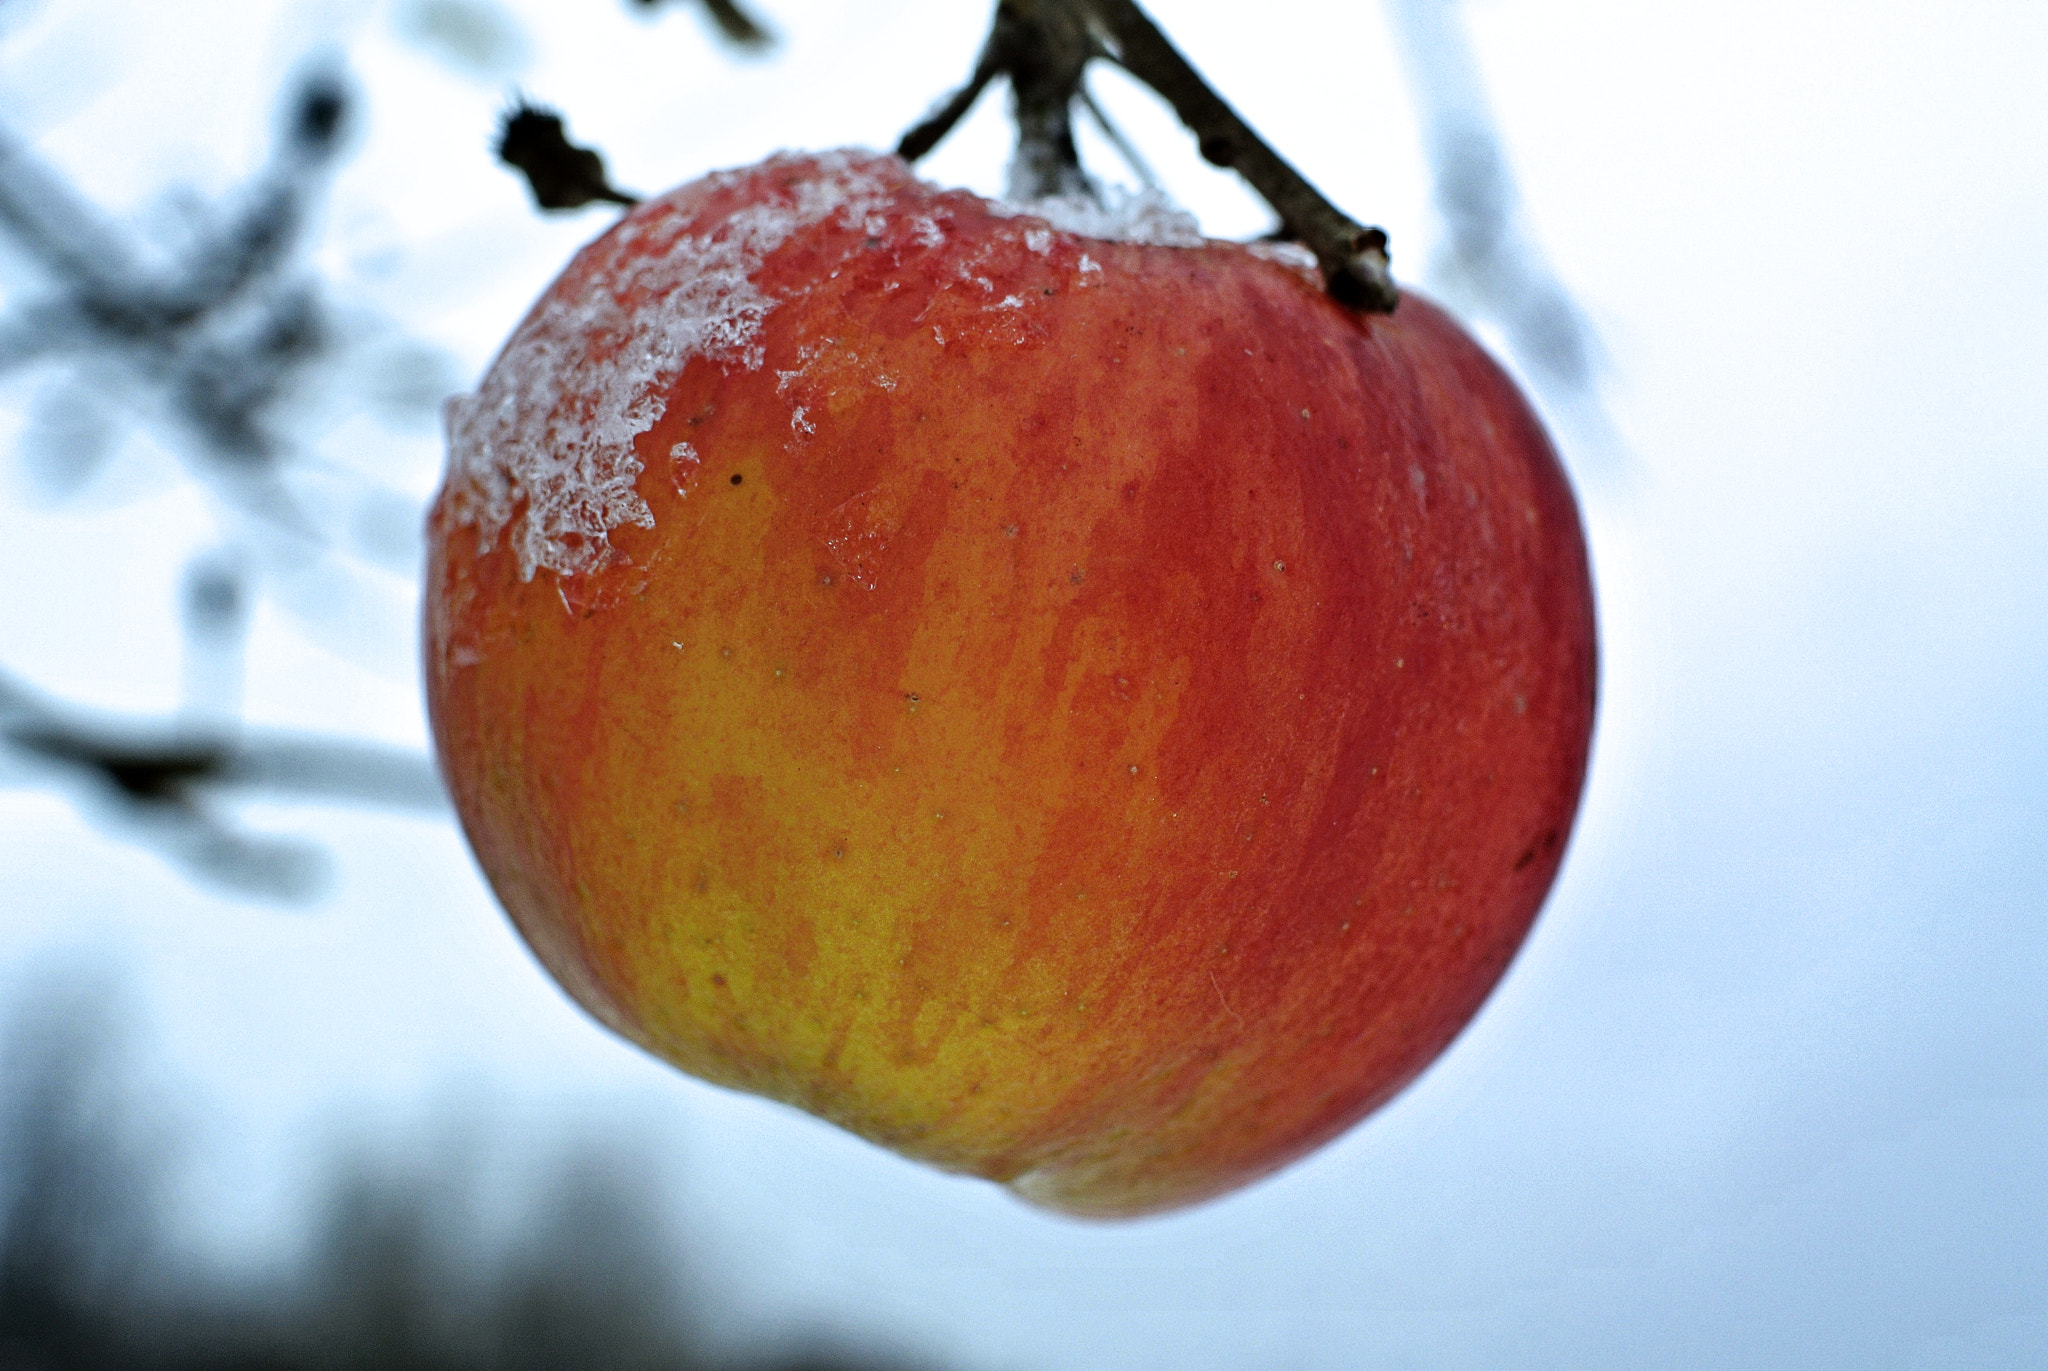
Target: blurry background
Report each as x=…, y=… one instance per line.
x=1769, y=1084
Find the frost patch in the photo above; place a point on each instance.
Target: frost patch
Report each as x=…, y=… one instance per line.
x=542, y=454
x=860, y=530
x=1294, y=256
x=683, y=466
x=1123, y=216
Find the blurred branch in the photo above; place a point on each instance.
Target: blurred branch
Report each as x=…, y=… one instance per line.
x=216, y=337
x=221, y=333
x=158, y=780
x=733, y=22
x=1490, y=265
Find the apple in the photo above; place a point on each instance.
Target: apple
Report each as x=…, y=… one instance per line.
x=1096, y=715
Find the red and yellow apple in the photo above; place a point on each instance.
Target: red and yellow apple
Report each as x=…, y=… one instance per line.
x=1096, y=715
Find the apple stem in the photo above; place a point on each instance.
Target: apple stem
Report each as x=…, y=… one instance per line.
x=1044, y=46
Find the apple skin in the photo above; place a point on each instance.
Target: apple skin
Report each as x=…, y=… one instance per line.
x=1098, y=716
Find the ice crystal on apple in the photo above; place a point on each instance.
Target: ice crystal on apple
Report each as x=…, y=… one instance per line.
x=1115, y=214
x=543, y=453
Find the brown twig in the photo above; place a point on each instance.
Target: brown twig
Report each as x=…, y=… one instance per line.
x=1353, y=257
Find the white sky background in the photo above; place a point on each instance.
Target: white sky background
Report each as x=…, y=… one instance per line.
x=1769, y=1085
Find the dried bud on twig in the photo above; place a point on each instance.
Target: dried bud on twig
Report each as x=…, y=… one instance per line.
x=561, y=175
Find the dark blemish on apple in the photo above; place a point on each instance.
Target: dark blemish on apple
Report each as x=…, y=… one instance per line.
x=737, y=478
x=718, y=980
x=826, y=579
x=1528, y=856
x=701, y=415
